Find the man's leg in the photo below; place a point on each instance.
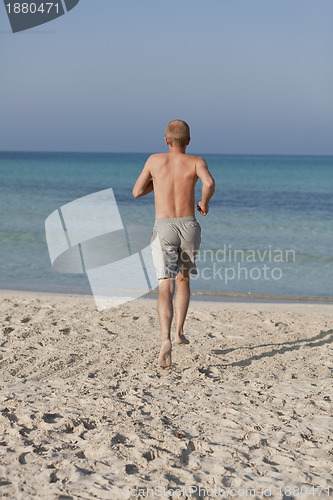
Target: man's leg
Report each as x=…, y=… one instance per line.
x=182, y=301
x=165, y=313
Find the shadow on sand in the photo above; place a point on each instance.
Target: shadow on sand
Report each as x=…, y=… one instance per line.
x=321, y=339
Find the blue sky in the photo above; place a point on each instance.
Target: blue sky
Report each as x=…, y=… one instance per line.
x=249, y=76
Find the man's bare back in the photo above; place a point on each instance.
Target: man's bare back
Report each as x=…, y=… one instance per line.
x=173, y=177
x=176, y=234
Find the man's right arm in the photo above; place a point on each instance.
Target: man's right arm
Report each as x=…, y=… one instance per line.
x=144, y=184
x=208, y=185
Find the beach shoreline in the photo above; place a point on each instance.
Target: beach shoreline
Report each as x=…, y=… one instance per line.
x=196, y=295
x=86, y=412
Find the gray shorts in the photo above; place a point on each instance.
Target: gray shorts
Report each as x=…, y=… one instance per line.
x=175, y=244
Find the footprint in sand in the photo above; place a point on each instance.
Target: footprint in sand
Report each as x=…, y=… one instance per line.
x=51, y=418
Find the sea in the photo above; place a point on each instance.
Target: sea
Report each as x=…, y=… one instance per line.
x=268, y=233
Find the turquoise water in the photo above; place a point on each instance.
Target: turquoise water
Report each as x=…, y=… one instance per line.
x=273, y=211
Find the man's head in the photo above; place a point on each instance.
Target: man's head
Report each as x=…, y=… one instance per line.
x=177, y=134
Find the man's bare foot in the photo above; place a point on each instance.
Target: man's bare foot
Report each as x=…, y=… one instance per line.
x=181, y=339
x=164, y=361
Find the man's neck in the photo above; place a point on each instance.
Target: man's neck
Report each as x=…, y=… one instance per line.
x=177, y=150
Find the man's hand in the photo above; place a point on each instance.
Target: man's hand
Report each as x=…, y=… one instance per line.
x=202, y=208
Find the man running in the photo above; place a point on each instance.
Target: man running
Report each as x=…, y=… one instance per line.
x=176, y=234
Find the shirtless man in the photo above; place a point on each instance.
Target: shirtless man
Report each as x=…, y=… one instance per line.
x=177, y=234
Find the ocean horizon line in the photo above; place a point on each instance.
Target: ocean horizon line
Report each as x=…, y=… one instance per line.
x=270, y=155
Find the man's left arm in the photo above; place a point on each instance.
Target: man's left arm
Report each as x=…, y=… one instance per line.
x=144, y=184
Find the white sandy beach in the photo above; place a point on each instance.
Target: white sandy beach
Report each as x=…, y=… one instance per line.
x=85, y=412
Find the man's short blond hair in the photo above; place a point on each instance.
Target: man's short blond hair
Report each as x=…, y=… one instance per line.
x=177, y=133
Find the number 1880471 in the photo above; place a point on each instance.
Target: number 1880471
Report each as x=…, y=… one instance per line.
x=32, y=8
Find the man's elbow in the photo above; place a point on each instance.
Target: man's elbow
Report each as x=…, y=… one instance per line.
x=210, y=184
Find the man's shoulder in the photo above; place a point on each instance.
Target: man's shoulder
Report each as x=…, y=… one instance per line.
x=156, y=156
x=195, y=158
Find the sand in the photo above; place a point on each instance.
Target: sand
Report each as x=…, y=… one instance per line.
x=85, y=411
